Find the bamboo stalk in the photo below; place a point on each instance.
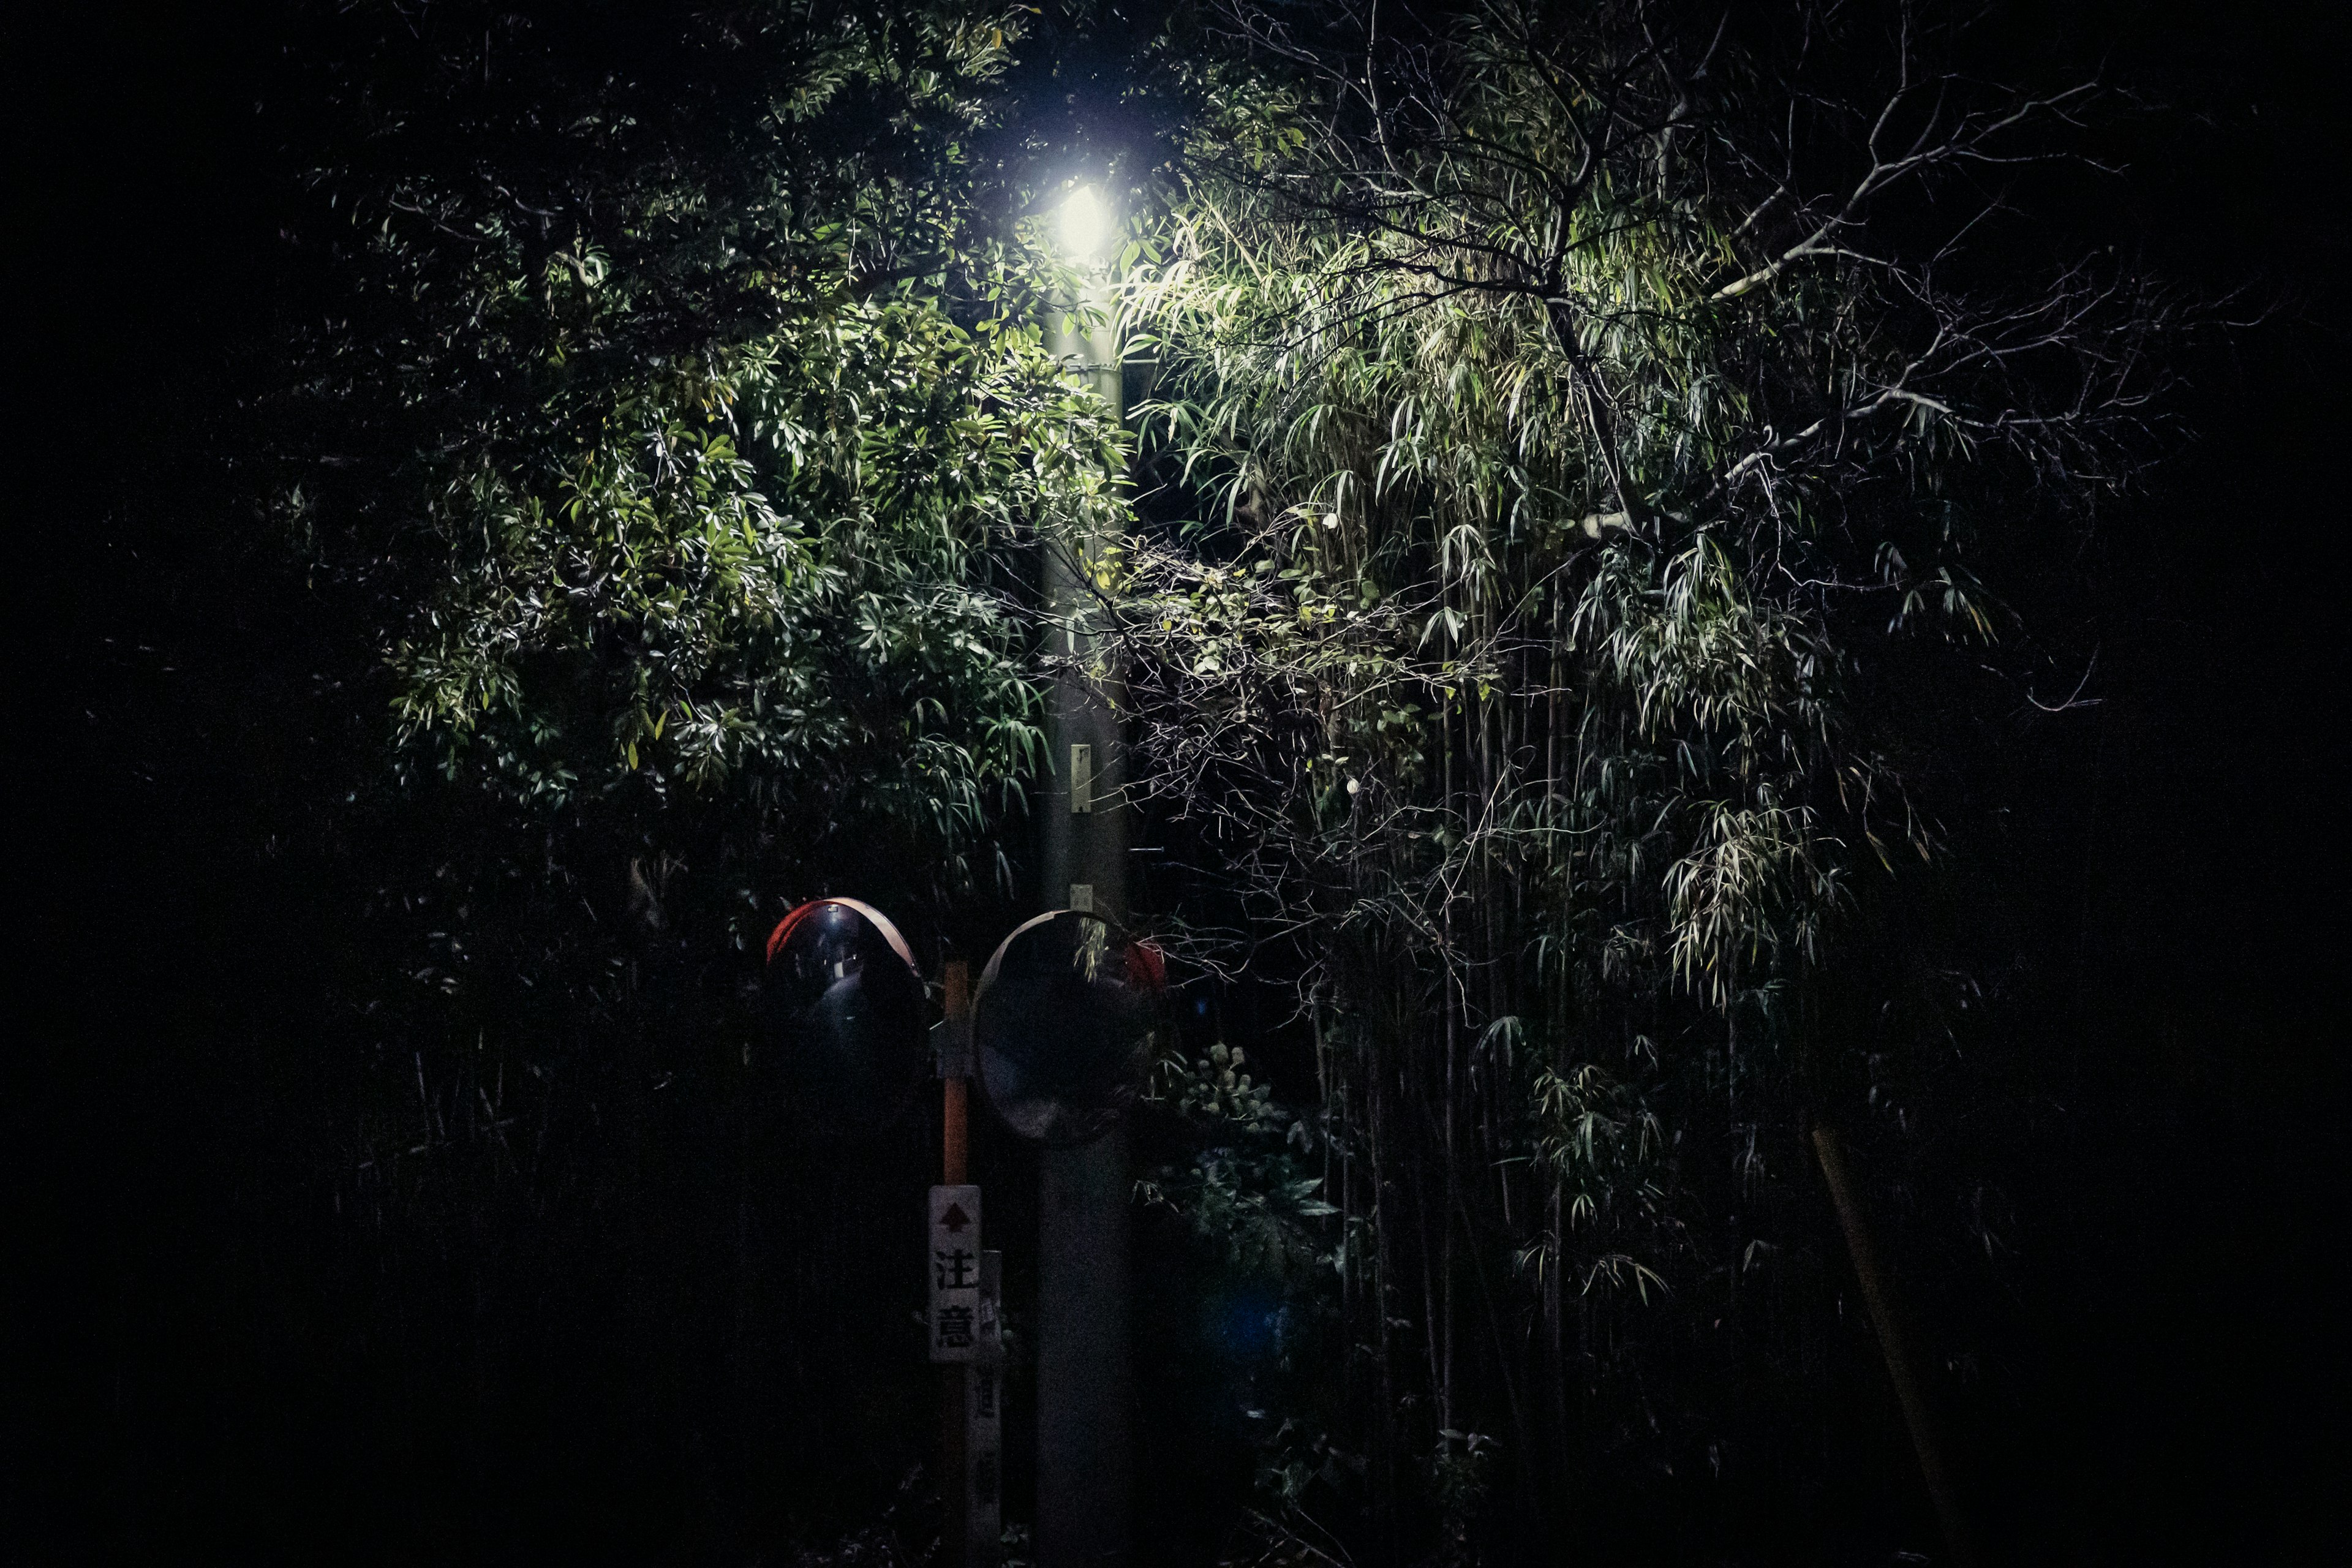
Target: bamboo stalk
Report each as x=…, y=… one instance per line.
x=1895, y=1345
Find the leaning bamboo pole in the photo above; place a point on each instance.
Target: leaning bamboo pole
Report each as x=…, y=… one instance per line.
x=1895, y=1343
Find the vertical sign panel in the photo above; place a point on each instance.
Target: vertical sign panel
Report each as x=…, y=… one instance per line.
x=952, y=1265
x=983, y=1406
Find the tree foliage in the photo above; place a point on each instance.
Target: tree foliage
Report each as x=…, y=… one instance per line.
x=1584, y=410
x=1582, y=429
x=660, y=415
x=679, y=411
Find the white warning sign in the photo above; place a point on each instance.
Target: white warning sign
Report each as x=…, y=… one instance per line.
x=953, y=1269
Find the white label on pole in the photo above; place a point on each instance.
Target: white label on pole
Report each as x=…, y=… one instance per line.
x=984, y=1403
x=1082, y=779
x=952, y=1265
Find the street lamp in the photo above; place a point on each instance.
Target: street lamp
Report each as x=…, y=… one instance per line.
x=1085, y=1464
x=1084, y=224
x=1085, y=836
x=1067, y=1016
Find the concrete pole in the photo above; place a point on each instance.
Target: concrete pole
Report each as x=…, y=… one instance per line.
x=1085, y=1389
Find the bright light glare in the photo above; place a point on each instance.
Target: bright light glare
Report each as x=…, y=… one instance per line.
x=1085, y=225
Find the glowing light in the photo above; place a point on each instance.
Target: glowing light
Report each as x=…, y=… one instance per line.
x=1084, y=224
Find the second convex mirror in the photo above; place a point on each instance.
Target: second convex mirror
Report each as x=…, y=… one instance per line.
x=1067, y=1024
x=846, y=1015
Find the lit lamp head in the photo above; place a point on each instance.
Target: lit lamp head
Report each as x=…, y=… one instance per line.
x=1082, y=227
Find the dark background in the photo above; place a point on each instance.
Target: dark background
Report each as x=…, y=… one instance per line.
x=2152, y=883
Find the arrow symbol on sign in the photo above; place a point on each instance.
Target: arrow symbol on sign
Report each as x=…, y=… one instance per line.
x=955, y=1219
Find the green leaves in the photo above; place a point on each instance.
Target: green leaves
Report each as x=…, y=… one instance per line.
x=699, y=426
x=1248, y=1190
x=1555, y=504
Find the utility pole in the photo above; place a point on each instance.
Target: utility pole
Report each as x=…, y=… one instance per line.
x=1085, y=1464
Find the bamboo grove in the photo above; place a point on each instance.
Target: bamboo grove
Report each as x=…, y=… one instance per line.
x=1575, y=406
x=1570, y=439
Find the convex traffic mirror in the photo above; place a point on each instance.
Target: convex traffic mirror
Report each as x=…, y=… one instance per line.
x=1067, y=1024
x=845, y=1009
